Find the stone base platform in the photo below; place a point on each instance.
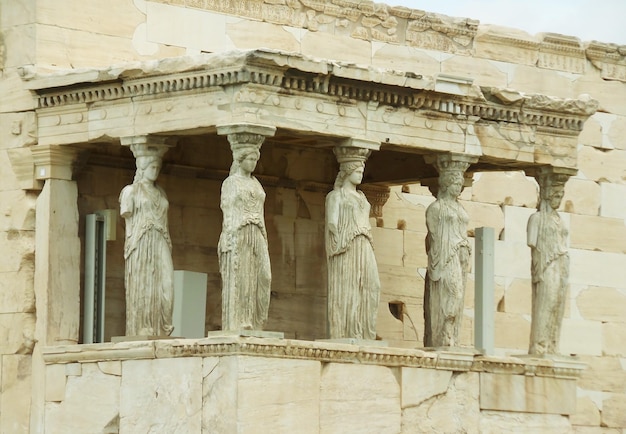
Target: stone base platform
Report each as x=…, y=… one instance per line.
x=246, y=384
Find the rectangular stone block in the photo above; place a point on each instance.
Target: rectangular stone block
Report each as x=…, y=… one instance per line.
x=169, y=390
x=90, y=404
x=415, y=250
x=604, y=234
x=484, y=215
x=512, y=331
x=388, y=246
x=497, y=422
x=603, y=269
x=520, y=393
x=582, y=196
x=359, y=398
x=581, y=337
x=515, y=223
x=614, y=339
x=15, y=399
x=455, y=410
x=512, y=259
x=613, y=200
x=245, y=394
x=420, y=384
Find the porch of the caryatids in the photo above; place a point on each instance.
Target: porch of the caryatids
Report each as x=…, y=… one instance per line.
x=149, y=270
x=547, y=238
x=243, y=244
x=449, y=252
x=353, y=280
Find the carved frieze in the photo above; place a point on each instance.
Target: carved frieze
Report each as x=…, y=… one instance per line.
x=563, y=53
x=310, y=350
x=610, y=59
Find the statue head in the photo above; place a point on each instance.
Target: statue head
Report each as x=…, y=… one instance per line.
x=148, y=160
x=345, y=170
x=240, y=154
x=349, y=159
x=450, y=183
x=148, y=168
x=551, y=189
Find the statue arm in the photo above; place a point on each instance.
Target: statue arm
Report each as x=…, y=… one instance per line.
x=532, y=230
x=126, y=202
x=332, y=223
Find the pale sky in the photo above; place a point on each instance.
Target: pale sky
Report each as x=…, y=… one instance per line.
x=600, y=20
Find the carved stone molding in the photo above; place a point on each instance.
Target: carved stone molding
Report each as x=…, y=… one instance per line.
x=314, y=350
x=148, y=145
x=563, y=53
x=377, y=196
x=245, y=134
x=53, y=162
x=610, y=59
x=348, y=82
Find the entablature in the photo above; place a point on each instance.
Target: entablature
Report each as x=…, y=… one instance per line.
x=406, y=112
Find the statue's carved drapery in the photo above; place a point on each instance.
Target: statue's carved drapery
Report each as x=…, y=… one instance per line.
x=353, y=281
x=243, y=248
x=449, y=254
x=149, y=274
x=547, y=238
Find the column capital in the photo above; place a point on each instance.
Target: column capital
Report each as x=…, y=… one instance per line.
x=245, y=135
x=148, y=145
x=53, y=161
x=545, y=171
x=246, y=128
x=360, y=143
x=451, y=161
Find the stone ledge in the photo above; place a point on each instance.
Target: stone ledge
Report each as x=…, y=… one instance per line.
x=451, y=360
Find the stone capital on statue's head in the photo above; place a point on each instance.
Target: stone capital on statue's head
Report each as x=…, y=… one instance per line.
x=148, y=150
x=445, y=164
x=347, y=154
x=245, y=141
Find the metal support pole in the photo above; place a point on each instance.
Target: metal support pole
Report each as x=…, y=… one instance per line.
x=484, y=311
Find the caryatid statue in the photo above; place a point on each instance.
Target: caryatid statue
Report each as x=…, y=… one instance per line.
x=353, y=282
x=149, y=272
x=449, y=252
x=547, y=238
x=243, y=249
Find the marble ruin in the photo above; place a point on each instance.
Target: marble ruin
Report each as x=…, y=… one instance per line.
x=547, y=238
x=353, y=282
x=149, y=271
x=449, y=252
x=438, y=125
x=243, y=254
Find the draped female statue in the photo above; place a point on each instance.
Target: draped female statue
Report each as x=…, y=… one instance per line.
x=149, y=271
x=243, y=250
x=448, y=252
x=547, y=238
x=353, y=282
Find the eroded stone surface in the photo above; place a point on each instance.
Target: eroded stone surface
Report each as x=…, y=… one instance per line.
x=367, y=400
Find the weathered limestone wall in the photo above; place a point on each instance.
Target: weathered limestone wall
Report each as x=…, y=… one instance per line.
x=243, y=385
x=54, y=35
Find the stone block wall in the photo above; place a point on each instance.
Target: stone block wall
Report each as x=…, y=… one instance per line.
x=249, y=385
x=54, y=36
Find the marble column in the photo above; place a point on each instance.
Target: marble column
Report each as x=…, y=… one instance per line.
x=243, y=246
x=449, y=253
x=547, y=239
x=149, y=270
x=57, y=263
x=353, y=281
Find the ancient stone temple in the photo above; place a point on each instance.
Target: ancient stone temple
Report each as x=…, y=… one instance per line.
x=259, y=105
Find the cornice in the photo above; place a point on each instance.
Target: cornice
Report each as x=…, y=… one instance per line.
x=290, y=74
x=327, y=352
x=610, y=59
